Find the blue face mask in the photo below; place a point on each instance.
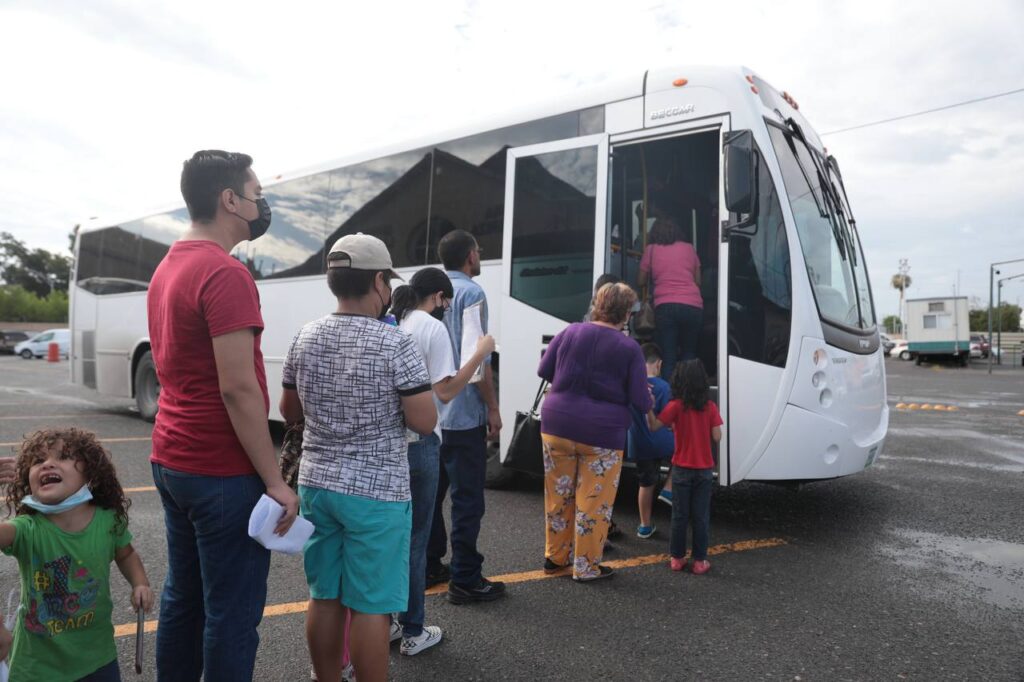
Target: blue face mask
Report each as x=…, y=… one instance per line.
x=81, y=497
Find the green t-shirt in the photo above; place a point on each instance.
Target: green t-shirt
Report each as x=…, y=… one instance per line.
x=64, y=629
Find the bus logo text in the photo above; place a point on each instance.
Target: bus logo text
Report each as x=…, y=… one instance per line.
x=673, y=111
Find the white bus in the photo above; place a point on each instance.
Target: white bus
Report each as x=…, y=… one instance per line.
x=556, y=198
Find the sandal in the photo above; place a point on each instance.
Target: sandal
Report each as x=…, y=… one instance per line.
x=602, y=572
x=551, y=568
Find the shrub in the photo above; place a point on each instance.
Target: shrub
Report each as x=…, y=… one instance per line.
x=20, y=305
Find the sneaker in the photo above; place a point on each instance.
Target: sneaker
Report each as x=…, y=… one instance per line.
x=666, y=497
x=485, y=590
x=602, y=572
x=644, y=532
x=439, y=574
x=430, y=636
x=701, y=567
x=551, y=568
x=677, y=564
x=348, y=674
x=396, y=630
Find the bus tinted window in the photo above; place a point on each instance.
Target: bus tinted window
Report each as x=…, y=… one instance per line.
x=469, y=179
x=386, y=198
x=553, y=231
x=760, y=282
x=292, y=246
x=121, y=259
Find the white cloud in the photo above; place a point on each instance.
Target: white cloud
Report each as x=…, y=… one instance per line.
x=103, y=100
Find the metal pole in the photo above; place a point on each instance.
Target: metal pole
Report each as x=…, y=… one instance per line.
x=999, y=312
x=991, y=276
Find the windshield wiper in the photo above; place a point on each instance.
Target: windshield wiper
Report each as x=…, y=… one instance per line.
x=834, y=205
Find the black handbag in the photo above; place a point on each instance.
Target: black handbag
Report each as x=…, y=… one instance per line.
x=526, y=451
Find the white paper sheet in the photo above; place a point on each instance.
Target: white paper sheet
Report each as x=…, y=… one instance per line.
x=263, y=520
x=472, y=330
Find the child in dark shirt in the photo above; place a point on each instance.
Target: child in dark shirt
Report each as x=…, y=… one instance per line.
x=695, y=420
x=650, y=451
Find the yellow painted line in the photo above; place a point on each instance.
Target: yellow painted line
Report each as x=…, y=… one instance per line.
x=128, y=629
x=142, y=489
x=103, y=441
x=633, y=562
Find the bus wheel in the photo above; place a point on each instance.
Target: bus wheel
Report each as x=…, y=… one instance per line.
x=497, y=476
x=147, y=387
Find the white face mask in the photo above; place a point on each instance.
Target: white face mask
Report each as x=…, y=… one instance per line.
x=81, y=497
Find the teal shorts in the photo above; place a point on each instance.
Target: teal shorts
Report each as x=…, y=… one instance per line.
x=359, y=552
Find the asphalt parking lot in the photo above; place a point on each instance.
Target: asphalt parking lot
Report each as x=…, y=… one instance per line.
x=913, y=569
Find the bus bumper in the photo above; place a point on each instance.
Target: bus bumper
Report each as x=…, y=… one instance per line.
x=836, y=453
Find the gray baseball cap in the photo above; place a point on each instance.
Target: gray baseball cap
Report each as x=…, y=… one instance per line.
x=361, y=252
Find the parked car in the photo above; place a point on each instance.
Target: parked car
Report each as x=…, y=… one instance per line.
x=900, y=350
x=984, y=347
x=887, y=343
x=10, y=338
x=38, y=345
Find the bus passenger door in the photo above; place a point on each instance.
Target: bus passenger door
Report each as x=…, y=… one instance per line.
x=555, y=206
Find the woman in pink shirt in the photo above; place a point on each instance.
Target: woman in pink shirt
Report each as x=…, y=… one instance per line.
x=671, y=264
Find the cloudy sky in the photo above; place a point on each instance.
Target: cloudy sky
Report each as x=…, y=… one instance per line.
x=101, y=100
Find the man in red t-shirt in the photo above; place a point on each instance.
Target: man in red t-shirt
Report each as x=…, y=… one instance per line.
x=212, y=453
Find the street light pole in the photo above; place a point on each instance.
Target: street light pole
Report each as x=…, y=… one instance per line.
x=999, y=312
x=991, y=277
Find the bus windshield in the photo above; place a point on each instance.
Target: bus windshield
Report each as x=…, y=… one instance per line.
x=828, y=239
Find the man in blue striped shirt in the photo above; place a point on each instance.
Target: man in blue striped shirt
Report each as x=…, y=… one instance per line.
x=466, y=423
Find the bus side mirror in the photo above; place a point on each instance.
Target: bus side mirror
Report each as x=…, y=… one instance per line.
x=740, y=173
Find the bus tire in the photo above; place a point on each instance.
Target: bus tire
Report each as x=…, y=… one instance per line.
x=497, y=476
x=147, y=387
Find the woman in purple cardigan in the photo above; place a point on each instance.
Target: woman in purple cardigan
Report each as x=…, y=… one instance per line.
x=596, y=375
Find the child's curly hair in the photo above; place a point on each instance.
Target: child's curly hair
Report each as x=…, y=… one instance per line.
x=84, y=447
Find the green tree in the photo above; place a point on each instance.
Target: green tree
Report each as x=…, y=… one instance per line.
x=1009, y=313
x=891, y=323
x=36, y=270
x=20, y=305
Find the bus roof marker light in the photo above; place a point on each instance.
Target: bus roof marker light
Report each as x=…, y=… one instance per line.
x=753, y=89
x=750, y=79
x=680, y=82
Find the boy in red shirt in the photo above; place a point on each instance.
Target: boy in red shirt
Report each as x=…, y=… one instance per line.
x=695, y=421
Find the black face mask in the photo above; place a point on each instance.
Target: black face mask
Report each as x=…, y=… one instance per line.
x=259, y=226
x=438, y=313
x=384, y=306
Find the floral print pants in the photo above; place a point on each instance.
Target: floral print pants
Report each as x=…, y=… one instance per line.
x=580, y=482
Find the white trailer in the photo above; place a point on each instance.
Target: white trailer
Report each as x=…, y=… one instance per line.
x=939, y=328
